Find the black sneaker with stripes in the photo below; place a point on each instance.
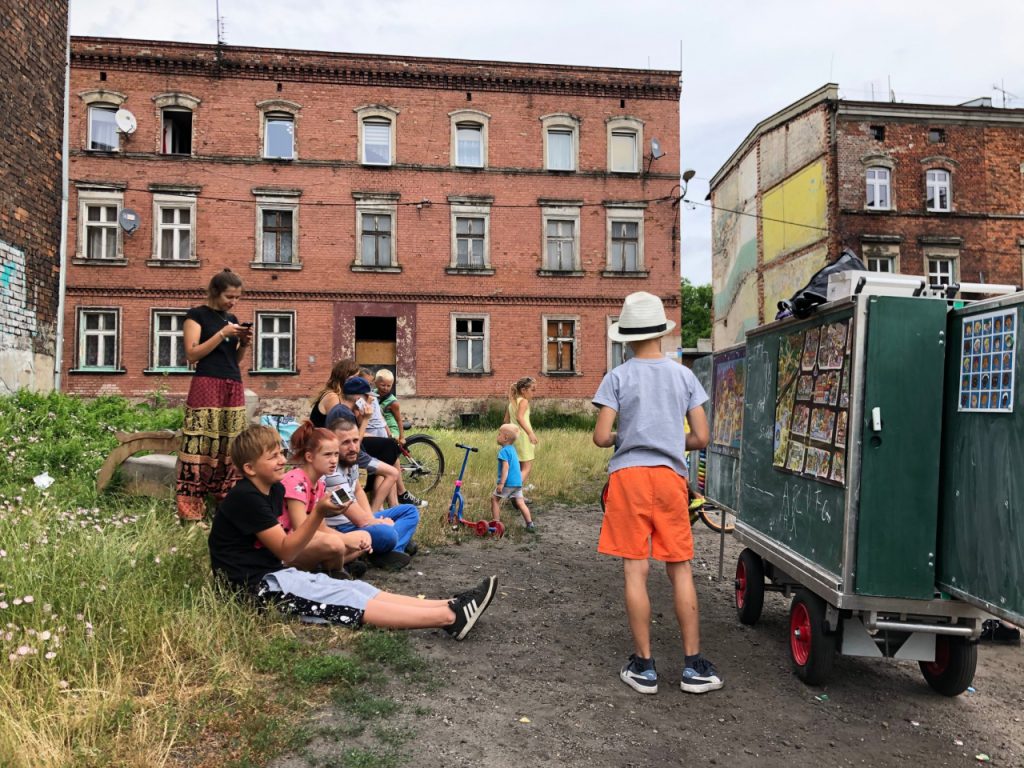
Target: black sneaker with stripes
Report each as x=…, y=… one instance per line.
x=469, y=606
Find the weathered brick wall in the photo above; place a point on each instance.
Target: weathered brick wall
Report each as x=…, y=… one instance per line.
x=326, y=294
x=987, y=192
x=32, y=58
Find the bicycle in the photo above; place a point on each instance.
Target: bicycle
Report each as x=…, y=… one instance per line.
x=422, y=463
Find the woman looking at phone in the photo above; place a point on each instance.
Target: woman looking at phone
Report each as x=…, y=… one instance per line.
x=215, y=409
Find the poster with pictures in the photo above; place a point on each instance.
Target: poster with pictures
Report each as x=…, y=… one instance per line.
x=812, y=402
x=987, y=362
x=729, y=375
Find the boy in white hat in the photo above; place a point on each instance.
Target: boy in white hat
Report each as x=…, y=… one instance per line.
x=646, y=507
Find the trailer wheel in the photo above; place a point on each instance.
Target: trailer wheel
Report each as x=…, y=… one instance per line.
x=749, y=587
x=956, y=659
x=811, y=646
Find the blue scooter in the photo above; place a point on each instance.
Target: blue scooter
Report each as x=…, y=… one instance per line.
x=455, y=518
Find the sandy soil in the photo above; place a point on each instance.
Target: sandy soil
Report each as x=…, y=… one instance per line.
x=550, y=647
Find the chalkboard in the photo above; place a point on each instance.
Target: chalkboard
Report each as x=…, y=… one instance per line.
x=981, y=523
x=796, y=503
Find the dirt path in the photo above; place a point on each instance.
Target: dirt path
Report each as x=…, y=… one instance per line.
x=550, y=648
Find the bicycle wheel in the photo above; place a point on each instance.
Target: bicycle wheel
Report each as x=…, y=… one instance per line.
x=712, y=517
x=423, y=467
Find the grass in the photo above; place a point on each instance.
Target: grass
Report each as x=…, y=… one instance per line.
x=116, y=649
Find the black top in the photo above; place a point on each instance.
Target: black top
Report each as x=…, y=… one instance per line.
x=318, y=419
x=222, y=362
x=235, y=552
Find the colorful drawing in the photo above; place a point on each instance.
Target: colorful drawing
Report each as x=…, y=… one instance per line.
x=801, y=417
x=810, y=353
x=782, y=420
x=844, y=389
x=839, y=468
x=795, y=461
x=817, y=462
x=989, y=354
x=789, y=364
x=822, y=423
x=840, y=441
x=826, y=388
x=804, y=386
x=727, y=416
x=833, y=345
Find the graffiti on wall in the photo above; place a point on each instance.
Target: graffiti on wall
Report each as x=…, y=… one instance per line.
x=734, y=259
x=17, y=321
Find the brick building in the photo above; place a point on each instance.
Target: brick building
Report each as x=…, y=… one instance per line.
x=33, y=54
x=462, y=222
x=930, y=190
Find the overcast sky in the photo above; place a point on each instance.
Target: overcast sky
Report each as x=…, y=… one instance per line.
x=741, y=60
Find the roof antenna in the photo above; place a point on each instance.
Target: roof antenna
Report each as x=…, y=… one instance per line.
x=220, y=24
x=1004, y=92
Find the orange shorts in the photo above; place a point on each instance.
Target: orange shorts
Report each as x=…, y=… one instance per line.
x=646, y=514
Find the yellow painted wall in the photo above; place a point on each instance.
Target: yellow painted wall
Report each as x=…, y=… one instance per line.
x=794, y=212
x=783, y=280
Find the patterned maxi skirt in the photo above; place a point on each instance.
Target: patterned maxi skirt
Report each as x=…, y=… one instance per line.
x=214, y=415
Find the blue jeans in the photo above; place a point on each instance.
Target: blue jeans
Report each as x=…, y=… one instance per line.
x=385, y=538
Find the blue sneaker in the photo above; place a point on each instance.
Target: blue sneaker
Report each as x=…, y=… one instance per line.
x=640, y=675
x=701, y=677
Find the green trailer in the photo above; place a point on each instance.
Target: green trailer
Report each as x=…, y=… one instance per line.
x=839, y=486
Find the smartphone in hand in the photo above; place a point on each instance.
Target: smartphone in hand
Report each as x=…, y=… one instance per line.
x=341, y=496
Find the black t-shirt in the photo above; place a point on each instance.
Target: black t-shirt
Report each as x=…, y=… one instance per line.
x=235, y=552
x=222, y=362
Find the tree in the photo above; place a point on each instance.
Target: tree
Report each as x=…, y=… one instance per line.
x=696, y=312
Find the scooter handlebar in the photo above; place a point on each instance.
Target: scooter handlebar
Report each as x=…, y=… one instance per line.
x=466, y=447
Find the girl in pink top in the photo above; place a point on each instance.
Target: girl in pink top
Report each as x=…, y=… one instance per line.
x=317, y=452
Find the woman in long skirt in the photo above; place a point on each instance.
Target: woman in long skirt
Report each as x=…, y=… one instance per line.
x=215, y=410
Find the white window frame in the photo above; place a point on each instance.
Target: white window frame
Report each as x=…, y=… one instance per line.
x=275, y=336
x=874, y=262
x=619, y=126
x=560, y=213
x=470, y=211
x=631, y=214
x=455, y=340
x=574, y=340
x=614, y=346
x=377, y=113
x=469, y=118
x=156, y=334
x=279, y=200
x=103, y=198
x=106, y=336
x=277, y=118
x=175, y=203
x=941, y=268
x=874, y=184
x=376, y=205
x=110, y=109
x=937, y=181
x=107, y=101
x=278, y=109
x=561, y=122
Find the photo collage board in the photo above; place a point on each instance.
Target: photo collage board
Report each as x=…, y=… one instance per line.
x=988, y=359
x=812, y=402
x=728, y=385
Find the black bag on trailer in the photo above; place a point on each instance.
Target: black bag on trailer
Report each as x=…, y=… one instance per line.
x=803, y=302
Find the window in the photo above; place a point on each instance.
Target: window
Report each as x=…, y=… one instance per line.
x=625, y=137
x=880, y=264
x=561, y=239
x=177, y=136
x=376, y=134
x=278, y=236
x=560, y=345
x=98, y=339
x=275, y=341
x=625, y=241
x=277, y=228
x=470, y=222
x=937, y=190
x=376, y=238
x=168, y=344
x=99, y=236
x=469, y=138
x=617, y=350
x=941, y=271
x=878, y=196
x=103, y=135
x=470, y=351
x=561, y=132
x=878, y=132
x=936, y=135
x=174, y=238
x=376, y=219
x=279, y=136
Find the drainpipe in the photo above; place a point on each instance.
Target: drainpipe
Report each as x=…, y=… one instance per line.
x=58, y=358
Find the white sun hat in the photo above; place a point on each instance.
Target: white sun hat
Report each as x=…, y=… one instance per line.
x=642, y=317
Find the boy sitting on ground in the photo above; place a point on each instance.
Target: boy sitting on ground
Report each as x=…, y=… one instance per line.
x=510, y=478
x=251, y=552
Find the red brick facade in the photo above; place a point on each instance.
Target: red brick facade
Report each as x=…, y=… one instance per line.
x=330, y=192
x=32, y=59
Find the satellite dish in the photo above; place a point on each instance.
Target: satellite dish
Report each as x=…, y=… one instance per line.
x=125, y=120
x=129, y=220
x=656, y=149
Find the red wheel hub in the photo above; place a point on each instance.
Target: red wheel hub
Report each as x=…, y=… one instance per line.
x=741, y=584
x=938, y=666
x=800, y=634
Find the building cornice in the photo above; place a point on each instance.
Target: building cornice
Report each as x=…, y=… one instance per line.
x=169, y=294
x=936, y=114
x=376, y=71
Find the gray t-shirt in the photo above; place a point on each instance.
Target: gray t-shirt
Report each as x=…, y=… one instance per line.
x=347, y=477
x=651, y=397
